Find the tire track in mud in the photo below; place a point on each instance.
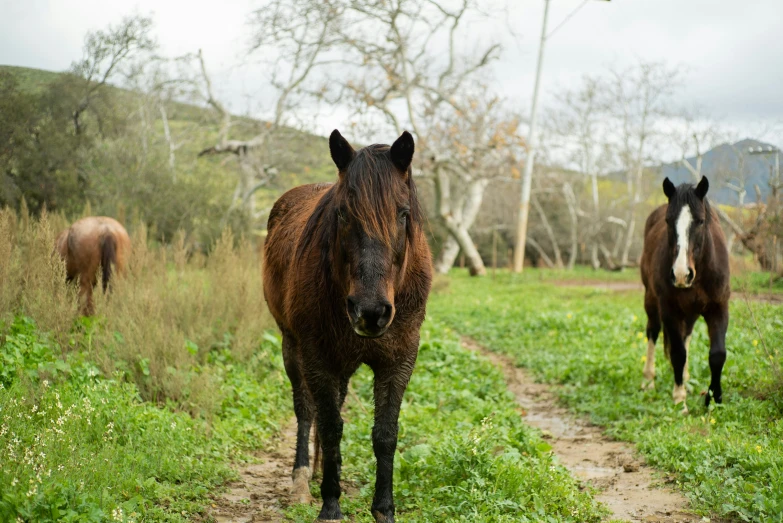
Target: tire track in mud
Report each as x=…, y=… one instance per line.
x=627, y=486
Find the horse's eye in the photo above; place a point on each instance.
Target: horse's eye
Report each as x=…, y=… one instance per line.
x=403, y=213
x=699, y=222
x=341, y=214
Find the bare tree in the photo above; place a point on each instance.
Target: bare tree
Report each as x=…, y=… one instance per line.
x=473, y=149
x=415, y=73
x=105, y=53
x=696, y=135
x=299, y=36
x=577, y=131
x=639, y=99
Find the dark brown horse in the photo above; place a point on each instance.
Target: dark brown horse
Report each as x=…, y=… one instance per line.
x=347, y=272
x=685, y=271
x=92, y=243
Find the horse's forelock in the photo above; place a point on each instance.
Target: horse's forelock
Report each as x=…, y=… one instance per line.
x=686, y=195
x=371, y=189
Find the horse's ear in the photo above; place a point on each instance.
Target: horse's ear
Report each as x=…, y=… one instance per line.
x=668, y=188
x=342, y=152
x=402, y=151
x=703, y=187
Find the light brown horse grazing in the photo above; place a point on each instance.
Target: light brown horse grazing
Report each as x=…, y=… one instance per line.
x=347, y=273
x=685, y=271
x=90, y=243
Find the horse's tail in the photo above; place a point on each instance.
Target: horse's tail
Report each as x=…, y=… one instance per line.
x=666, y=348
x=108, y=257
x=317, y=461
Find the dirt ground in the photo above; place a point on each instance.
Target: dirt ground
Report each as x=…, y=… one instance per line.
x=626, y=286
x=263, y=489
x=630, y=489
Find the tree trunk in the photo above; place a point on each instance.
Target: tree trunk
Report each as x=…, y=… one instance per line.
x=541, y=252
x=594, y=261
x=448, y=255
x=549, y=231
x=570, y=198
x=624, y=260
x=457, y=222
x=466, y=216
x=475, y=263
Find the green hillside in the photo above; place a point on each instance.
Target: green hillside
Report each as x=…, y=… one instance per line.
x=124, y=166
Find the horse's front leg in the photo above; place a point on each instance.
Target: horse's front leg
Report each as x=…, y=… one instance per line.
x=390, y=384
x=717, y=320
x=674, y=332
x=326, y=396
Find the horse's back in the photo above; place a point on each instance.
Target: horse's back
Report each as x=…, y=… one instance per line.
x=287, y=220
x=84, y=239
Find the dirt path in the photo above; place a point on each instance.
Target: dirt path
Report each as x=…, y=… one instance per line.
x=628, y=487
x=262, y=491
x=626, y=286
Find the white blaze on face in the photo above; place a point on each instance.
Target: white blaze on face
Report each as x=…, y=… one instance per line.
x=681, y=262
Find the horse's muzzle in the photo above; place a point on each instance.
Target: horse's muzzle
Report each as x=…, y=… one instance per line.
x=683, y=281
x=368, y=319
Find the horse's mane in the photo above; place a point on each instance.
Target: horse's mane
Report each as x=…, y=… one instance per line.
x=367, y=190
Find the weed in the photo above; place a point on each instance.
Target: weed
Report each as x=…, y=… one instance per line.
x=727, y=459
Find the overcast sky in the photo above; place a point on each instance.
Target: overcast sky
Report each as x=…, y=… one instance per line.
x=730, y=50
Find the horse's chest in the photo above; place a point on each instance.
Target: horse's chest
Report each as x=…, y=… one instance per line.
x=690, y=303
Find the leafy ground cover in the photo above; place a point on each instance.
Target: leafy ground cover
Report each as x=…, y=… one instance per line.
x=464, y=453
x=728, y=460
x=81, y=446
x=85, y=447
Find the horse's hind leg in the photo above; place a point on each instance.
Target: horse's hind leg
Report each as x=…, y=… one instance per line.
x=717, y=324
x=686, y=375
x=85, y=296
x=304, y=410
x=653, y=329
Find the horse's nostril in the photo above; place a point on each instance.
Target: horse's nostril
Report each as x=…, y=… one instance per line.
x=671, y=274
x=353, y=308
x=383, y=319
x=690, y=275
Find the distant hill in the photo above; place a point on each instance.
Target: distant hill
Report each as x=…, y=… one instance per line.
x=722, y=163
x=310, y=164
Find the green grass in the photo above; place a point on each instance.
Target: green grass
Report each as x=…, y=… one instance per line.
x=78, y=446
x=728, y=460
x=84, y=447
x=464, y=453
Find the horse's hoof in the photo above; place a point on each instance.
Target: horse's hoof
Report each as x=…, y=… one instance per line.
x=328, y=520
x=300, y=489
x=684, y=411
x=679, y=394
x=648, y=384
x=380, y=518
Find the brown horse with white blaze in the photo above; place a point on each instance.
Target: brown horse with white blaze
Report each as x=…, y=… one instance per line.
x=347, y=273
x=685, y=271
x=89, y=244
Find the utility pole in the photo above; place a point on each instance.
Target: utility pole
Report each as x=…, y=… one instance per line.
x=527, y=177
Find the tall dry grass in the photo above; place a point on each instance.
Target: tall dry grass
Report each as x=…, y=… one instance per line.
x=159, y=323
